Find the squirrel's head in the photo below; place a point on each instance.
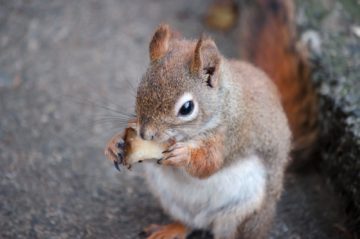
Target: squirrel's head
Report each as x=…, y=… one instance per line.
x=180, y=94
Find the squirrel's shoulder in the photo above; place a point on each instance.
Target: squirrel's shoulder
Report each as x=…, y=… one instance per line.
x=250, y=77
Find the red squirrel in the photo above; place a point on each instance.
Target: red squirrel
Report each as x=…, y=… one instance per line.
x=225, y=171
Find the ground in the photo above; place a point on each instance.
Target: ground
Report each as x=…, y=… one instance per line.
x=66, y=68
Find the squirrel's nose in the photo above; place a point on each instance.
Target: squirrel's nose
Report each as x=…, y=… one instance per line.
x=147, y=133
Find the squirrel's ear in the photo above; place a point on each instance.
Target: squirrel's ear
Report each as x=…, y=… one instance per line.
x=159, y=44
x=205, y=61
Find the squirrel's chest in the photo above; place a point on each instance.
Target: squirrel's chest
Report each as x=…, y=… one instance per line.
x=239, y=189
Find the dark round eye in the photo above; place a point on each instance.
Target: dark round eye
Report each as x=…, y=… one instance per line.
x=187, y=108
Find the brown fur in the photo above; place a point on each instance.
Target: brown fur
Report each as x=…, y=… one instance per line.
x=196, y=61
x=206, y=55
x=159, y=44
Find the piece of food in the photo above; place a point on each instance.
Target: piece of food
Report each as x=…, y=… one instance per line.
x=137, y=150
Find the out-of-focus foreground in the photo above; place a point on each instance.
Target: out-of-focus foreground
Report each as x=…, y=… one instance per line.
x=67, y=66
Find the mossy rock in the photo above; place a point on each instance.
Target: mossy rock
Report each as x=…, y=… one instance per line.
x=337, y=76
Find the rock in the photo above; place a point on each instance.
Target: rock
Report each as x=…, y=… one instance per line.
x=337, y=74
x=356, y=30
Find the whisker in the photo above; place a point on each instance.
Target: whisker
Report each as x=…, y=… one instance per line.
x=92, y=103
x=89, y=128
x=115, y=116
x=133, y=89
x=112, y=121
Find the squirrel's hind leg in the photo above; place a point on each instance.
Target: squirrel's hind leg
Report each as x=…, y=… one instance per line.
x=170, y=231
x=258, y=225
x=255, y=226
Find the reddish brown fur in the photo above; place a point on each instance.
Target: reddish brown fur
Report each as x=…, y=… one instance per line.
x=130, y=133
x=207, y=158
x=173, y=230
x=159, y=45
x=196, y=61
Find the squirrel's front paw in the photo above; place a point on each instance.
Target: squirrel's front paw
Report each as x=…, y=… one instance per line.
x=177, y=155
x=114, y=150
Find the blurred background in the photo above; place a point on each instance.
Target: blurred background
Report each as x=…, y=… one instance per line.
x=68, y=77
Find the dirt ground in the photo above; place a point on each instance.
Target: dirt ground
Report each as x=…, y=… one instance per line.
x=66, y=67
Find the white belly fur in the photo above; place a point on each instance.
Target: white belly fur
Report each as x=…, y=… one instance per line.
x=234, y=192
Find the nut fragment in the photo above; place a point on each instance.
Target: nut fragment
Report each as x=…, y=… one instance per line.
x=138, y=150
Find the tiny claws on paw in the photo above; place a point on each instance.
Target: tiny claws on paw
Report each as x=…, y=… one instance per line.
x=119, y=160
x=169, y=150
x=173, y=147
x=114, y=150
x=121, y=144
x=176, y=155
x=120, y=157
x=116, y=164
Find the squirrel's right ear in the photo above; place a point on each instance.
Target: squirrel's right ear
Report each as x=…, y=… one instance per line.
x=206, y=60
x=159, y=44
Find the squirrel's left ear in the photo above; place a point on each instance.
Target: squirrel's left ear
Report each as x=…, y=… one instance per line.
x=206, y=60
x=160, y=42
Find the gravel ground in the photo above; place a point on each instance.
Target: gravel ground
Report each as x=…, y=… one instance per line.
x=66, y=67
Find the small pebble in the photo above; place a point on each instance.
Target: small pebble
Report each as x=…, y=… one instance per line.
x=312, y=39
x=356, y=30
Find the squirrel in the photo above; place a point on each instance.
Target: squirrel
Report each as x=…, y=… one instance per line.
x=225, y=171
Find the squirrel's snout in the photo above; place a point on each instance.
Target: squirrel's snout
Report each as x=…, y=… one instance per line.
x=147, y=133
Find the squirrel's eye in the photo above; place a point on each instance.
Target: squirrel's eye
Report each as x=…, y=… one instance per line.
x=187, y=108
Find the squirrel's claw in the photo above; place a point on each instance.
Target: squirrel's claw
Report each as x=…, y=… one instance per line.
x=121, y=144
x=120, y=157
x=114, y=150
x=176, y=155
x=172, y=148
x=167, y=151
x=116, y=164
